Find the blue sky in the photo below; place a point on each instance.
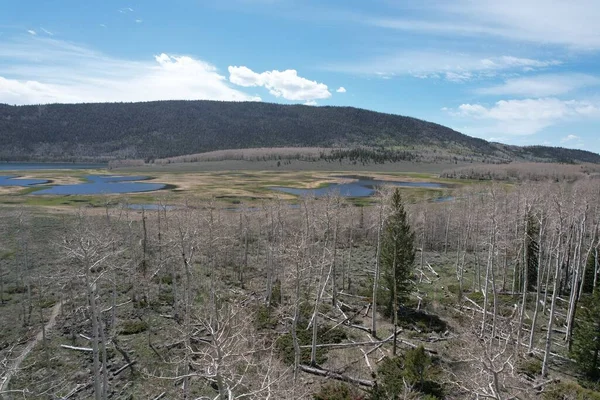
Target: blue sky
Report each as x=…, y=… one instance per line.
x=516, y=71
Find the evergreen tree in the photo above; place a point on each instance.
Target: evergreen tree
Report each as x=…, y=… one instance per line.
x=586, y=341
x=590, y=270
x=416, y=366
x=397, y=256
x=533, y=250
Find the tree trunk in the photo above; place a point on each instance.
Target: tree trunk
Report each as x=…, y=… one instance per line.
x=376, y=274
x=554, y=295
x=539, y=284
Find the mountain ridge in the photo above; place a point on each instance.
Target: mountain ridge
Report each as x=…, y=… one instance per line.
x=161, y=129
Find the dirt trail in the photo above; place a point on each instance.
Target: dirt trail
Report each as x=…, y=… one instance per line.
x=14, y=368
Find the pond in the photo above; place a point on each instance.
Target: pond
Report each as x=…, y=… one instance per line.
x=35, y=166
x=358, y=187
x=105, y=184
x=10, y=180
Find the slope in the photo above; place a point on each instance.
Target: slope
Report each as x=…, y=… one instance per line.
x=171, y=128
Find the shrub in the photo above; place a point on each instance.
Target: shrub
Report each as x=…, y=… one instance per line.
x=47, y=303
x=276, y=293
x=285, y=343
x=131, y=327
x=477, y=297
x=531, y=368
x=338, y=391
x=264, y=318
x=390, y=379
x=569, y=390
x=16, y=289
x=416, y=366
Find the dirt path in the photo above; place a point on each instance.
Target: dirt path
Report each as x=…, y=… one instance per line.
x=14, y=368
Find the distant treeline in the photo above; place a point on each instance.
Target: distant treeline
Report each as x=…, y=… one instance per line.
x=526, y=172
x=369, y=155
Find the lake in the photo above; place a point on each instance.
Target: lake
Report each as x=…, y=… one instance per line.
x=9, y=180
x=37, y=166
x=104, y=184
x=359, y=187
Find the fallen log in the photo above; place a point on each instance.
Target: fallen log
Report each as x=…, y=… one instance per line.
x=336, y=376
x=124, y=367
x=77, y=389
x=432, y=270
x=66, y=346
x=341, y=345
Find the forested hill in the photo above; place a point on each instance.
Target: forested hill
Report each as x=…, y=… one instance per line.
x=172, y=128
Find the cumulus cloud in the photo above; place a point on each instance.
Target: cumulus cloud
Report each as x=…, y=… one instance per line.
x=341, y=89
x=527, y=116
x=455, y=67
x=569, y=138
x=45, y=70
x=542, y=85
x=32, y=32
x=286, y=84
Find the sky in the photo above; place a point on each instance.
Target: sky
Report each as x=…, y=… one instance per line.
x=520, y=72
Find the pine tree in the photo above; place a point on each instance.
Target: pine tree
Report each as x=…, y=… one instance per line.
x=397, y=258
x=533, y=250
x=586, y=341
x=397, y=254
x=416, y=365
x=590, y=270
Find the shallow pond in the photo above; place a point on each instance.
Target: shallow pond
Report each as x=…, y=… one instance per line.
x=359, y=187
x=105, y=184
x=10, y=180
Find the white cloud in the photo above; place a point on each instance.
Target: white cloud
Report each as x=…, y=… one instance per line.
x=542, y=85
x=32, y=32
x=456, y=67
x=569, y=138
x=47, y=32
x=45, y=70
x=310, y=103
x=125, y=10
x=139, y=21
x=102, y=26
x=341, y=89
x=525, y=117
x=566, y=23
x=286, y=84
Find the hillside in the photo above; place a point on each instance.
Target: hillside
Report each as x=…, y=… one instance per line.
x=172, y=128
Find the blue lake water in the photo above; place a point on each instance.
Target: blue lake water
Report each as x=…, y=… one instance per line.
x=359, y=187
x=36, y=166
x=9, y=180
x=105, y=184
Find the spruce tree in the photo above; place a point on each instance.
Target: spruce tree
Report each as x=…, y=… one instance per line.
x=533, y=250
x=590, y=271
x=586, y=341
x=397, y=257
